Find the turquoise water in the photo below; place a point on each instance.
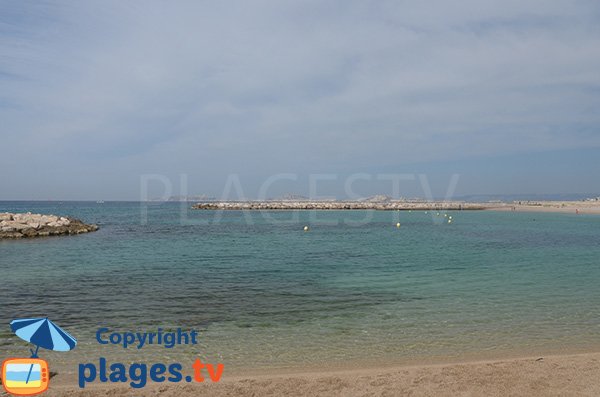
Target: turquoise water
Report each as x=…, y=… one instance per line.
x=264, y=293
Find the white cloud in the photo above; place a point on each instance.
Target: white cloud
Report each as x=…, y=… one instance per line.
x=232, y=85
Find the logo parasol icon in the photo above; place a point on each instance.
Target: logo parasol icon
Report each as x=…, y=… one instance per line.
x=43, y=333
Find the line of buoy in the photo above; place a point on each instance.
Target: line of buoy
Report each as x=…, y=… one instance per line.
x=306, y=228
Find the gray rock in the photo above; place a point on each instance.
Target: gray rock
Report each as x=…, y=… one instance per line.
x=37, y=225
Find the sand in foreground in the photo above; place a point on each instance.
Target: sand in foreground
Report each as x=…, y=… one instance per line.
x=568, y=375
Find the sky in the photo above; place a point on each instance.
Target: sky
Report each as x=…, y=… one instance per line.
x=124, y=100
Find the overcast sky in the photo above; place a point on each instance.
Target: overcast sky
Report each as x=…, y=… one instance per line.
x=94, y=95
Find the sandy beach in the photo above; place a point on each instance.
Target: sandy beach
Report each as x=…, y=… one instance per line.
x=299, y=198
x=559, y=375
x=569, y=207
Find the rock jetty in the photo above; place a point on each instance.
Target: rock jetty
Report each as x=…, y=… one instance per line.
x=336, y=205
x=38, y=225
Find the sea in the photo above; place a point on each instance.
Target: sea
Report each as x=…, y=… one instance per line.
x=263, y=293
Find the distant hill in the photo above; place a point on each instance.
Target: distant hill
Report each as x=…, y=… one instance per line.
x=184, y=199
x=379, y=198
x=291, y=197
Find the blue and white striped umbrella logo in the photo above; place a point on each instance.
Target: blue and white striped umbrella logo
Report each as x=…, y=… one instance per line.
x=43, y=333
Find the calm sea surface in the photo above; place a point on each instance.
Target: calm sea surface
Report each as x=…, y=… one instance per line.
x=264, y=293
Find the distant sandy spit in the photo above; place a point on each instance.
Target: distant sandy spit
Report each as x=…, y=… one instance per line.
x=565, y=375
x=569, y=207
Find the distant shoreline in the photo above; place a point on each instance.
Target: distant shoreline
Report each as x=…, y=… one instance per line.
x=337, y=205
x=565, y=207
x=582, y=207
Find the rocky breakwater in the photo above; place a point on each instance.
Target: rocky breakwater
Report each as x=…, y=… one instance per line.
x=37, y=225
x=336, y=205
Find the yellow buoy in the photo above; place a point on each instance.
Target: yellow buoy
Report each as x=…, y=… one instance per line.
x=398, y=224
x=445, y=215
x=449, y=220
x=450, y=217
x=306, y=228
